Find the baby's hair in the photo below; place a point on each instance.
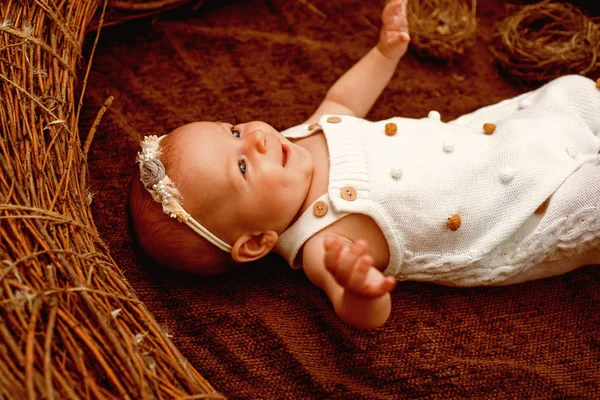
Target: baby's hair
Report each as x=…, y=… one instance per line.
x=166, y=240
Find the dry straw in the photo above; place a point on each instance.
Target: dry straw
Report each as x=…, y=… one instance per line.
x=443, y=29
x=70, y=324
x=545, y=40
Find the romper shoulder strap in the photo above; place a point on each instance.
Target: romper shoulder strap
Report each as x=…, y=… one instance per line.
x=301, y=131
x=306, y=226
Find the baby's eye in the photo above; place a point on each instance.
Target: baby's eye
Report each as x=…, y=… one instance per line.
x=235, y=132
x=242, y=166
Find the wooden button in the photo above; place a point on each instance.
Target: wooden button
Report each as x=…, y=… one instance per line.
x=454, y=222
x=312, y=126
x=489, y=128
x=348, y=193
x=391, y=129
x=542, y=208
x=320, y=208
x=598, y=83
x=334, y=120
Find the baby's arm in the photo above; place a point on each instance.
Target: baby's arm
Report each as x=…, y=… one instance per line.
x=358, y=291
x=355, y=92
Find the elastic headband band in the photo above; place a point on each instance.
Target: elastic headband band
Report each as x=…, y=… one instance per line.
x=164, y=191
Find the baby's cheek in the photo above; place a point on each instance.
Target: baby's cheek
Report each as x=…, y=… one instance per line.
x=287, y=185
x=278, y=192
x=270, y=188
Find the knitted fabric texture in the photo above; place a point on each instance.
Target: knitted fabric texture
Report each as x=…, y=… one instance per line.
x=411, y=182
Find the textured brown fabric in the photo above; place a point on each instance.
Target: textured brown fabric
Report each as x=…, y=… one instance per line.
x=268, y=332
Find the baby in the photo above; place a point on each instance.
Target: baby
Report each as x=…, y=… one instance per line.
x=508, y=193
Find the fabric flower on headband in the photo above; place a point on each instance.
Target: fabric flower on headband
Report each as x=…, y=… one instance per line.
x=163, y=190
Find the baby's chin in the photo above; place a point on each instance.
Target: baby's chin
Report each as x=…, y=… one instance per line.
x=309, y=166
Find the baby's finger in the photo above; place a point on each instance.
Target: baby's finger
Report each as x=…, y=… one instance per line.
x=393, y=10
x=358, y=278
x=345, y=263
x=393, y=5
x=395, y=38
x=348, y=260
x=384, y=286
x=359, y=248
x=388, y=284
x=357, y=251
x=332, y=252
x=329, y=241
x=403, y=37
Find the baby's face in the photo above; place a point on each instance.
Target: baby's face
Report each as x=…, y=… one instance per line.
x=252, y=178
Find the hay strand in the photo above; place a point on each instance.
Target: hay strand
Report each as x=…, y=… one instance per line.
x=442, y=29
x=70, y=324
x=546, y=40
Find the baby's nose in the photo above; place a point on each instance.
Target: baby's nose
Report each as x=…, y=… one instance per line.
x=259, y=140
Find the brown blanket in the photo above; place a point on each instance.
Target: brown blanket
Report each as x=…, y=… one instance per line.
x=268, y=332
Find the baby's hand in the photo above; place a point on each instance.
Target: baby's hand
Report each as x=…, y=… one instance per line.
x=394, y=37
x=353, y=269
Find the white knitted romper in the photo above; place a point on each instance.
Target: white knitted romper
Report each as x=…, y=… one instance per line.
x=545, y=146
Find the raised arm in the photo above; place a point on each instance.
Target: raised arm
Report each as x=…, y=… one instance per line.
x=358, y=291
x=355, y=92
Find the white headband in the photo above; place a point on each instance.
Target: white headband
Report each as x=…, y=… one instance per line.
x=163, y=190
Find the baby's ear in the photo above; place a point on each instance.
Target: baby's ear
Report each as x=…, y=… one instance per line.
x=250, y=247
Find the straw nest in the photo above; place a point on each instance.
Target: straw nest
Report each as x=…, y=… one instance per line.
x=443, y=29
x=120, y=11
x=70, y=324
x=545, y=40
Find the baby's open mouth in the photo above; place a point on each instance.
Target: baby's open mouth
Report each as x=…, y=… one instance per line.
x=285, y=151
